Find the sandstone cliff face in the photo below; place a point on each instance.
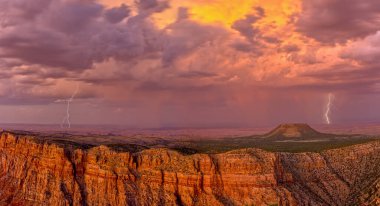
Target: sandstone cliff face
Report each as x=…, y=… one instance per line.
x=45, y=174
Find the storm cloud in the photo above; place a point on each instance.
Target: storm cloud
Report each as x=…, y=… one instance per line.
x=159, y=62
x=336, y=21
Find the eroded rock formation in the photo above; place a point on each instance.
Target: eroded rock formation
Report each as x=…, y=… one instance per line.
x=38, y=173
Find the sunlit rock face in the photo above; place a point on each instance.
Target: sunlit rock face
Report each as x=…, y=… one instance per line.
x=38, y=173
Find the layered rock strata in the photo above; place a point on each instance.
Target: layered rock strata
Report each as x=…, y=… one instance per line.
x=40, y=173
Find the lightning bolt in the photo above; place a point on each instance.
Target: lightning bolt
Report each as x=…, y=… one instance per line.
x=66, y=119
x=328, y=108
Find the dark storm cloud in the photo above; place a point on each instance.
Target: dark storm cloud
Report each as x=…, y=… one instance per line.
x=14, y=12
x=65, y=39
x=346, y=78
x=336, y=21
x=74, y=35
x=149, y=86
x=186, y=36
x=289, y=48
x=247, y=47
x=271, y=39
x=152, y=5
x=147, y=4
x=72, y=17
x=197, y=74
x=367, y=51
x=245, y=27
x=242, y=46
x=254, y=39
x=43, y=47
x=115, y=15
x=366, y=54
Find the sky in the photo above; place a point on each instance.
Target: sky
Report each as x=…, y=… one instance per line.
x=189, y=63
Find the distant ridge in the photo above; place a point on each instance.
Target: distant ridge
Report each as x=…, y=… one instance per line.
x=295, y=130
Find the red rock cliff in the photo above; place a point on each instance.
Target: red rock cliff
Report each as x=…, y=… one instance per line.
x=45, y=174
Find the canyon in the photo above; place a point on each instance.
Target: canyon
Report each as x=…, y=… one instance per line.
x=40, y=172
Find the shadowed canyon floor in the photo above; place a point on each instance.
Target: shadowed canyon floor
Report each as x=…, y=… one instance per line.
x=291, y=165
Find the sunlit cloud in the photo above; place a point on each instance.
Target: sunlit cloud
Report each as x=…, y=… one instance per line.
x=190, y=55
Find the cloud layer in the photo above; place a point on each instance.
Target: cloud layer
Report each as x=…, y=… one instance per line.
x=197, y=63
x=339, y=20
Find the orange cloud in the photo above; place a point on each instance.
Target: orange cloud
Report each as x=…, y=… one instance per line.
x=174, y=53
x=226, y=12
